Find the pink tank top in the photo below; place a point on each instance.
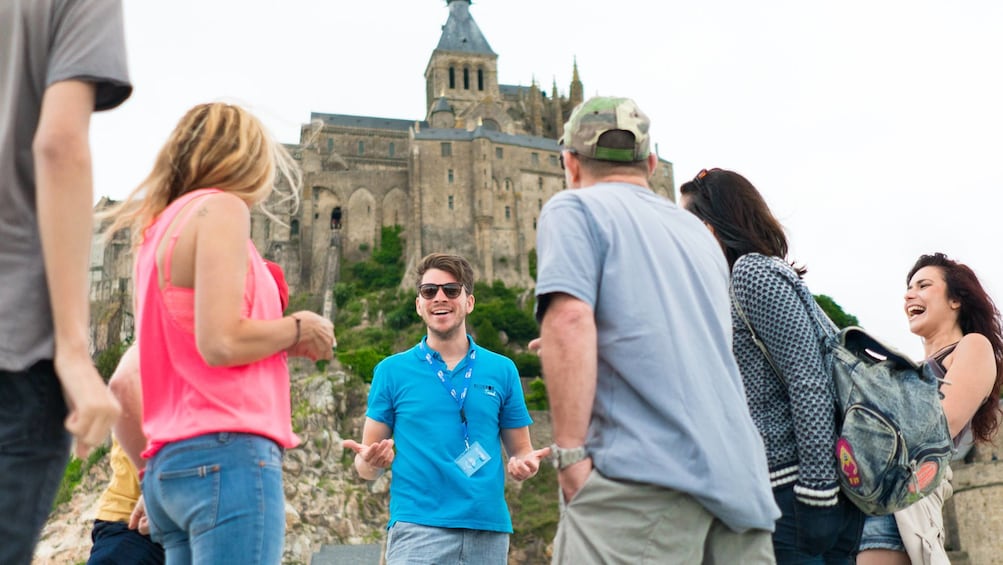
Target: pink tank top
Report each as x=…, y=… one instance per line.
x=183, y=397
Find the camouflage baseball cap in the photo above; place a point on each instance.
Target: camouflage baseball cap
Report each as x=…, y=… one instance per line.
x=601, y=114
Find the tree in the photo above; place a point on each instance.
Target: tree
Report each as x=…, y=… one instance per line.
x=835, y=312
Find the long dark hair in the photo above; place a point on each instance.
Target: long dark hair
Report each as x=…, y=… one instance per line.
x=978, y=314
x=742, y=221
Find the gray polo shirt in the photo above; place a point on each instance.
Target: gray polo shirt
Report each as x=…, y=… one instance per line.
x=670, y=408
x=42, y=42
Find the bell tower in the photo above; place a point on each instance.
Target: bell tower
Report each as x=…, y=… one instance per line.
x=463, y=70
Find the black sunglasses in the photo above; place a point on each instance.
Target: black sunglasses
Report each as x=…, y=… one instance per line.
x=428, y=291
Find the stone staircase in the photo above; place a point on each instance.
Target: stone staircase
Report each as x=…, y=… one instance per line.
x=369, y=554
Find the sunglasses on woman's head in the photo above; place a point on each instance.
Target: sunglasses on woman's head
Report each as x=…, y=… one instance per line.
x=428, y=291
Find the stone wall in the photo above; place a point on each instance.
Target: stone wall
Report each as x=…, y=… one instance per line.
x=974, y=515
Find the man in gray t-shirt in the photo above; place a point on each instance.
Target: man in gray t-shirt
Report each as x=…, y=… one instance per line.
x=60, y=60
x=658, y=457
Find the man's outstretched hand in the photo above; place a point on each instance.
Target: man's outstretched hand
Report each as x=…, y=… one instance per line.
x=522, y=468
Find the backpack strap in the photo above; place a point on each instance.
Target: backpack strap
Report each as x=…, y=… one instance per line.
x=755, y=338
x=826, y=327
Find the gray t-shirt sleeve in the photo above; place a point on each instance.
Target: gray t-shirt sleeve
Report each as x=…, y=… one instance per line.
x=569, y=251
x=89, y=45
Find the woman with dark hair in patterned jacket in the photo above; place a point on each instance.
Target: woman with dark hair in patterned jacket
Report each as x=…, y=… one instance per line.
x=794, y=412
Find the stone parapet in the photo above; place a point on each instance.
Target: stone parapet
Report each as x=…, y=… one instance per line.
x=974, y=515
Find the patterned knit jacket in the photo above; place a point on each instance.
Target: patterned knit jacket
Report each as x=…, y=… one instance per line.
x=796, y=420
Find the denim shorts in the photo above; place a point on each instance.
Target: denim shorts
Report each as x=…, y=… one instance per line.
x=217, y=498
x=414, y=544
x=881, y=532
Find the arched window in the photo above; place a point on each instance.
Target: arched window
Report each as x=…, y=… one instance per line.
x=452, y=77
x=336, y=218
x=466, y=78
x=294, y=227
x=508, y=212
x=362, y=147
x=480, y=79
x=392, y=148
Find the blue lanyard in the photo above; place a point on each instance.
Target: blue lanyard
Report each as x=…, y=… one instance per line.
x=440, y=373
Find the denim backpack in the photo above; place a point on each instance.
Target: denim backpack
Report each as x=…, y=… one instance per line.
x=893, y=446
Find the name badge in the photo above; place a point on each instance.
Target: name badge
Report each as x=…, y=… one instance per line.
x=472, y=459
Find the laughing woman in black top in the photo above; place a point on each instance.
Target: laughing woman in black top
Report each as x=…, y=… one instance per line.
x=961, y=331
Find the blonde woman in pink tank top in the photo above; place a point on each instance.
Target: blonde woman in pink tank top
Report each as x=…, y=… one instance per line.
x=213, y=341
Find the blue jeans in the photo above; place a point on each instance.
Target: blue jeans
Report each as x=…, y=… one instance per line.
x=116, y=544
x=217, y=498
x=790, y=550
x=414, y=544
x=34, y=448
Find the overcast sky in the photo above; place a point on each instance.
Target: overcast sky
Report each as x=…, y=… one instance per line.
x=873, y=129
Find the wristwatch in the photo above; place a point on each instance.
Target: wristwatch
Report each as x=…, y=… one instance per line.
x=565, y=457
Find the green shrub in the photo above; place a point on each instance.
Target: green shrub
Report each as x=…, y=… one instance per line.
x=75, y=471
x=528, y=364
x=344, y=292
x=500, y=305
x=385, y=268
x=401, y=316
x=362, y=361
x=835, y=312
x=487, y=335
x=107, y=359
x=536, y=396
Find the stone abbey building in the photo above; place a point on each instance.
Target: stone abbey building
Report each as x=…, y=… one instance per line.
x=468, y=177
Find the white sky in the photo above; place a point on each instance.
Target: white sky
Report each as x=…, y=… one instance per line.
x=873, y=129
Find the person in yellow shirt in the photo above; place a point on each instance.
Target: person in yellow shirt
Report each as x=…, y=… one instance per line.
x=114, y=542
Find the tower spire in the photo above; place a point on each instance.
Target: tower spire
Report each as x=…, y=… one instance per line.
x=576, y=95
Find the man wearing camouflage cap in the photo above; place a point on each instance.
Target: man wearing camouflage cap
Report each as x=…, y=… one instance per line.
x=659, y=460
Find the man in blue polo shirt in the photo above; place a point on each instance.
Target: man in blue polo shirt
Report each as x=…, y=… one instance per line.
x=449, y=405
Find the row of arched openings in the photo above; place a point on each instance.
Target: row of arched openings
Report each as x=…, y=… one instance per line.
x=466, y=78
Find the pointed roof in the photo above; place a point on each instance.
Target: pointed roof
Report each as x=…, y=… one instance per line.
x=442, y=105
x=461, y=32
